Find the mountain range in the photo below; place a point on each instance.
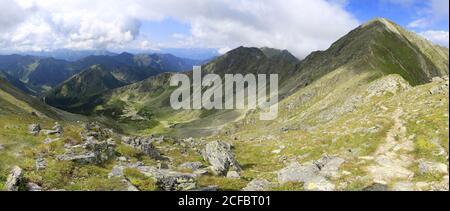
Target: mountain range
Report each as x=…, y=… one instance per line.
x=41, y=74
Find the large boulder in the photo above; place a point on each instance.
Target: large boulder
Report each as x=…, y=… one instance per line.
x=221, y=158
x=313, y=175
x=295, y=172
x=329, y=166
x=15, y=180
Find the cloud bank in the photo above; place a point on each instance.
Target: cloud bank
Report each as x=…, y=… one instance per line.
x=300, y=26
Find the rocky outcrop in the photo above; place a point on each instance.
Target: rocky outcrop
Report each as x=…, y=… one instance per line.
x=144, y=145
x=166, y=179
x=389, y=84
x=221, y=158
x=312, y=175
x=15, y=180
x=91, y=152
x=93, y=129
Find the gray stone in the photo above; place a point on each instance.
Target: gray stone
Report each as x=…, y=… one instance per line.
x=258, y=185
x=32, y=187
x=403, y=186
x=233, y=175
x=56, y=130
x=221, y=158
x=34, y=129
x=14, y=181
x=117, y=171
x=191, y=165
x=130, y=187
x=295, y=172
x=163, y=165
x=329, y=166
x=429, y=167
x=376, y=187
x=41, y=164
x=318, y=184
x=207, y=189
x=91, y=152
x=201, y=172
x=144, y=145
x=49, y=140
x=2, y=147
x=312, y=175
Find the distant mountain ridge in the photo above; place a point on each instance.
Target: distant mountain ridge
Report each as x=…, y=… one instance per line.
x=41, y=73
x=69, y=55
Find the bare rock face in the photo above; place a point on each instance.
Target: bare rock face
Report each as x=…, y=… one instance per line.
x=144, y=145
x=221, y=158
x=34, y=129
x=15, y=179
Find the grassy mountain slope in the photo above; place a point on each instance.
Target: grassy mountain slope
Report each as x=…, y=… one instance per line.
x=380, y=47
x=82, y=87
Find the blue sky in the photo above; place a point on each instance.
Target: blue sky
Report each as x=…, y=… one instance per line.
x=300, y=26
x=402, y=12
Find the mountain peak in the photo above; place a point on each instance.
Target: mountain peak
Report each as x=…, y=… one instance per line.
x=382, y=23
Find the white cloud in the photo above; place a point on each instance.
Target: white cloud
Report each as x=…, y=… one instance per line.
x=434, y=11
x=300, y=26
x=10, y=15
x=438, y=37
